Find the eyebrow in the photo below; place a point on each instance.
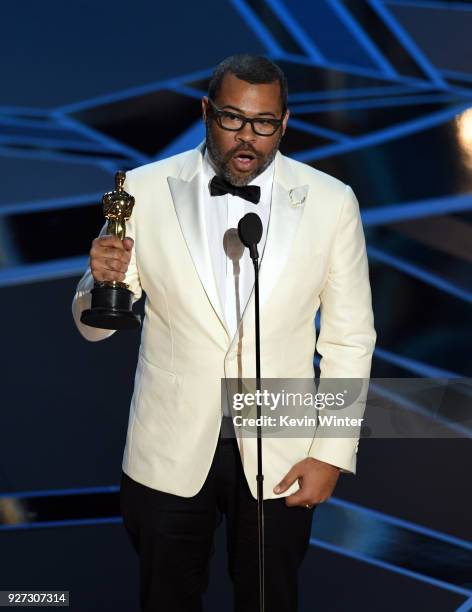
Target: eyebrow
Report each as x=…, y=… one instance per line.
x=242, y=112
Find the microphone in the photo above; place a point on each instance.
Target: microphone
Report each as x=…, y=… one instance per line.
x=234, y=250
x=250, y=233
x=233, y=247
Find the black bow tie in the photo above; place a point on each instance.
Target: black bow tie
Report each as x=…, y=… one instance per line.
x=220, y=186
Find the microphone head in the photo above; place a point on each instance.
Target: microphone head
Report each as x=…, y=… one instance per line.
x=232, y=245
x=250, y=229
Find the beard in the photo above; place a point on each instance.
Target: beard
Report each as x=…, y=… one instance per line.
x=220, y=160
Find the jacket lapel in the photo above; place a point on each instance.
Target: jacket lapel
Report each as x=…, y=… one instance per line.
x=287, y=206
x=185, y=190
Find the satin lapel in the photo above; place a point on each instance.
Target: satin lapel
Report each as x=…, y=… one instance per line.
x=288, y=204
x=185, y=190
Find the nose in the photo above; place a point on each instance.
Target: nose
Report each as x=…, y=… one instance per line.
x=246, y=133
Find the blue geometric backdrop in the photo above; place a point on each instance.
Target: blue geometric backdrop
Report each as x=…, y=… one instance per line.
x=381, y=98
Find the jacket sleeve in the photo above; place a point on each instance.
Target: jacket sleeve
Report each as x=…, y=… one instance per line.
x=347, y=335
x=82, y=297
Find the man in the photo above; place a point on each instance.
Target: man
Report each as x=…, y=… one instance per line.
x=180, y=474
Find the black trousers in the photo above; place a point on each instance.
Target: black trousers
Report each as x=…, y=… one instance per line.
x=173, y=537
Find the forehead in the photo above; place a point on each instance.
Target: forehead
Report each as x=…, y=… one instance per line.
x=249, y=97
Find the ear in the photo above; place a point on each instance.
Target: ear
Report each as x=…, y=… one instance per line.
x=284, y=121
x=205, y=108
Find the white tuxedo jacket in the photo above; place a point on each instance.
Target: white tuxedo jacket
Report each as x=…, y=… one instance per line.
x=314, y=257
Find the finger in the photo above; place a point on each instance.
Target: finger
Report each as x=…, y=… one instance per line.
x=288, y=479
x=128, y=243
x=102, y=252
x=105, y=275
x=101, y=273
x=114, y=265
x=297, y=499
x=109, y=240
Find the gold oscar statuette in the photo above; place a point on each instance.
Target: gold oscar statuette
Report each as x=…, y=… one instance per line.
x=112, y=301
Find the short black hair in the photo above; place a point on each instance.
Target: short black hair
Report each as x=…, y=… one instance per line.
x=255, y=69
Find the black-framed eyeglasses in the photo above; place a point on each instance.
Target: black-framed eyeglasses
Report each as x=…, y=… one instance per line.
x=229, y=120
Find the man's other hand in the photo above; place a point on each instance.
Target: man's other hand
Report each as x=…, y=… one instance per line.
x=316, y=479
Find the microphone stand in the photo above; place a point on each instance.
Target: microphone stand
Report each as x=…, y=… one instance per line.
x=260, y=475
x=250, y=232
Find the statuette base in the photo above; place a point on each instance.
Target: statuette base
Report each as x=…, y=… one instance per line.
x=111, y=308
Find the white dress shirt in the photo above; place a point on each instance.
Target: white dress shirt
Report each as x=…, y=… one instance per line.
x=221, y=214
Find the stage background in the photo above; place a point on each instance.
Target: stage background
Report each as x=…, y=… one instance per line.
x=380, y=97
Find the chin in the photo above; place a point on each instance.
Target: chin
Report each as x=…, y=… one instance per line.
x=240, y=180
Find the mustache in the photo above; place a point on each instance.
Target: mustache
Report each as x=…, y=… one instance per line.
x=242, y=148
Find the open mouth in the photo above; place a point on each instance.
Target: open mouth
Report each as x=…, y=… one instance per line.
x=244, y=160
x=244, y=155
